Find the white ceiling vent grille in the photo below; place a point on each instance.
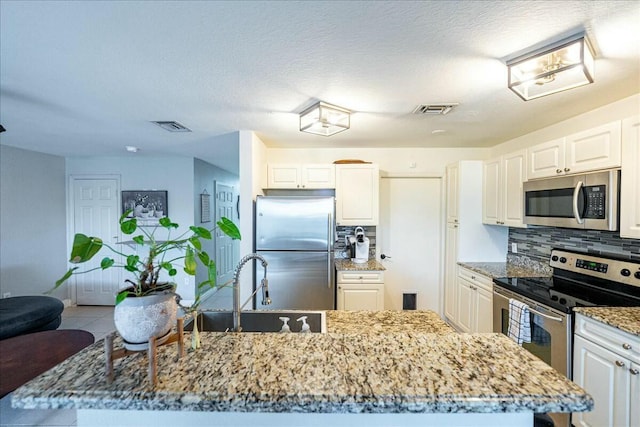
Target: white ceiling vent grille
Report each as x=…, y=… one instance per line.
x=434, y=109
x=173, y=126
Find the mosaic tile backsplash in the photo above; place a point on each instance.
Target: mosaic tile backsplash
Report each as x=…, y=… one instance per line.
x=537, y=242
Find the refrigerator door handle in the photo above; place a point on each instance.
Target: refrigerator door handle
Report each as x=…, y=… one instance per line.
x=329, y=249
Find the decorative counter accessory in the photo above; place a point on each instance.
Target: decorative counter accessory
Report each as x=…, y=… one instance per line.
x=146, y=307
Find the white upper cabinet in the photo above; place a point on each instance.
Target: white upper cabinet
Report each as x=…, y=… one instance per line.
x=502, y=199
x=593, y=149
x=301, y=176
x=630, y=179
x=546, y=159
x=357, y=194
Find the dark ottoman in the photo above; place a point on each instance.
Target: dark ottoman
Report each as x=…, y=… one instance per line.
x=24, y=315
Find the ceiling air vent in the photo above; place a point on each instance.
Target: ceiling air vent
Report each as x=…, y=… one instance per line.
x=172, y=126
x=434, y=109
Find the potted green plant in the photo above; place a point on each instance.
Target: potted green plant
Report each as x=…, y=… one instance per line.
x=147, y=307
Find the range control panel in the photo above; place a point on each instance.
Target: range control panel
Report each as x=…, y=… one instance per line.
x=627, y=272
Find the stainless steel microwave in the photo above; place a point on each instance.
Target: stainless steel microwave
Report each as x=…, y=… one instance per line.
x=590, y=201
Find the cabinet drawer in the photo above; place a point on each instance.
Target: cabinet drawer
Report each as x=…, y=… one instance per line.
x=360, y=277
x=613, y=339
x=476, y=278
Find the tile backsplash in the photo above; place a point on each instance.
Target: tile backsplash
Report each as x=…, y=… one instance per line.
x=537, y=242
x=340, y=248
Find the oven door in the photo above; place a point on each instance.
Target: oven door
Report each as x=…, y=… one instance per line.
x=550, y=330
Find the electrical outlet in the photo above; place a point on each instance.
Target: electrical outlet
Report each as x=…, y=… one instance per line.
x=514, y=247
x=6, y=295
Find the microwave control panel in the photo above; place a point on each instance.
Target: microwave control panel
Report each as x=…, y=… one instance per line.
x=595, y=198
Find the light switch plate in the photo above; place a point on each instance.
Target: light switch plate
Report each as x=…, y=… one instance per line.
x=514, y=247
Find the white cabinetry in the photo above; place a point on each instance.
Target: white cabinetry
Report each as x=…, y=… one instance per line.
x=467, y=238
x=475, y=301
x=305, y=176
x=360, y=290
x=630, y=179
x=606, y=363
x=357, y=194
x=502, y=198
x=593, y=149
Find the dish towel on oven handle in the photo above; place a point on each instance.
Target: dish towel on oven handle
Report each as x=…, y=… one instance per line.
x=519, y=322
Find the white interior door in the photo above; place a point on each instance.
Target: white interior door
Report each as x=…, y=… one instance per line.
x=225, y=207
x=410, y=235
x=96, y=213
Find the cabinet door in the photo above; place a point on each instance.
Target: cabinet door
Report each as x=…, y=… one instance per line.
x=357, y=194
x=491, y=192
x=452, y=193
x=283, y=176
x=598, y=371
x=630, y=179
x=546, y=159
x=634, y=395
x=466, y=305
x=451, y=274
x=484, y=311
x=597, y=148
x=513, y=175
x=318, y=176
x=361, y=297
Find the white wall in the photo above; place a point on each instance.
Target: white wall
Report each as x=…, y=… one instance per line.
x=394, y=161
x=615, y=111
x=174, y=174
x=32, y=222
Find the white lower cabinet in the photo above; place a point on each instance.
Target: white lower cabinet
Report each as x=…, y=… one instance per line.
x=360, y=290
x=475, y=302
x=606, y=363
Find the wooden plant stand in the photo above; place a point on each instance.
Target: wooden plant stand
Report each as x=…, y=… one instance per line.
x=152, y=352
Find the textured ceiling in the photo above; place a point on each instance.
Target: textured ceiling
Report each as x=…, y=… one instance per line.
x=85, y=78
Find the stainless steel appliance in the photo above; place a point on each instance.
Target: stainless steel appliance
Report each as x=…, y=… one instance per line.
x=579, y=279
x=295, y=234
x=588, y=201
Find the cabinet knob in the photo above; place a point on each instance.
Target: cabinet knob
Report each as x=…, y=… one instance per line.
x=567, y=169
x=558, y=170
x=620, y=363
x=626, y=346
x=634, y=371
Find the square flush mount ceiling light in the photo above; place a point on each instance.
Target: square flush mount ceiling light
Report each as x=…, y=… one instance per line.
x=325, y=119
x=563, y=65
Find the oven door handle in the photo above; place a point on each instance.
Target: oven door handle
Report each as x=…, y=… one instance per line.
x=546, y=316
x=576, y=193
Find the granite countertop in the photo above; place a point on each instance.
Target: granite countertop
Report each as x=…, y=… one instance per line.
x=317, y=373
x=345, y=264
x=376, y=322
x=626, y=319
x=494, y=270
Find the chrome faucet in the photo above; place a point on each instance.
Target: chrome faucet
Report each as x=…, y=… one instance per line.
x=264, y=285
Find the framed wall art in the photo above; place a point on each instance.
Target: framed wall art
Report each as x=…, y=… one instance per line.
x=147, y=206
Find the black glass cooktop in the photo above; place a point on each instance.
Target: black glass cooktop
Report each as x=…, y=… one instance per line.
x=565, y=293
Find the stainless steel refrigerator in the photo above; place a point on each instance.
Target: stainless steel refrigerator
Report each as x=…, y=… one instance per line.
x=295, y=234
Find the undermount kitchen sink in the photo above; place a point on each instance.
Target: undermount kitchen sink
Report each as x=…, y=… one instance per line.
x=259, y=321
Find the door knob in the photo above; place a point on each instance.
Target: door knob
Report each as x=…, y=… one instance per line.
x=383, y=256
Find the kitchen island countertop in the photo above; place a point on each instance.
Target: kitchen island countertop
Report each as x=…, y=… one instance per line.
x=626, y=319
x=333, y=373
x=387, y=321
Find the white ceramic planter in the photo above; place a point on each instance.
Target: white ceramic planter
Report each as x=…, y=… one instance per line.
x=139, y=318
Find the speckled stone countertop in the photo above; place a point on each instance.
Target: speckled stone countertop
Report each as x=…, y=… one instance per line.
x=503, y=269
x=345, y=264
x=317, y=373
x=626, y=319
x=376, y=322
